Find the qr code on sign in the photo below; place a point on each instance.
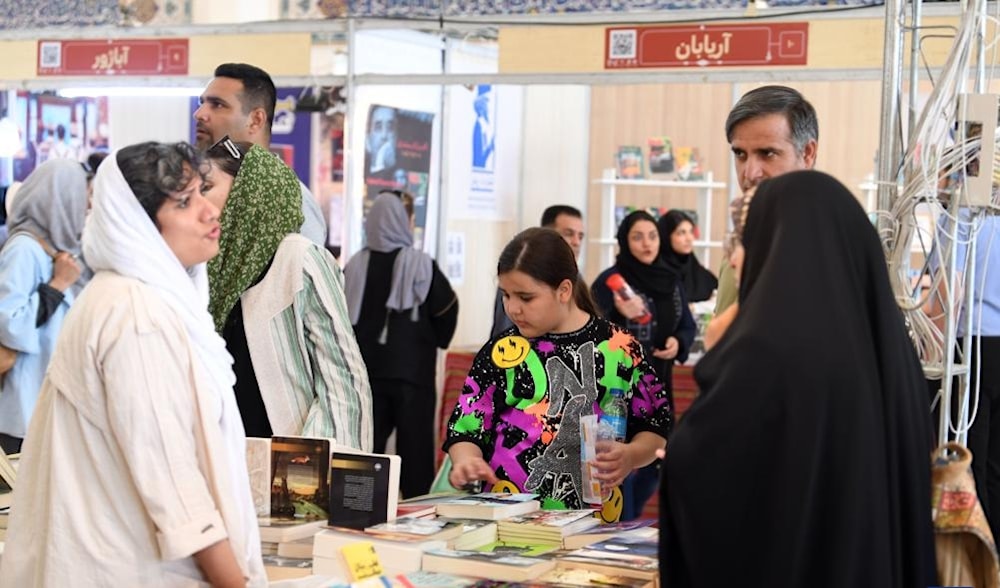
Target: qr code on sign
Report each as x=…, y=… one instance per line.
x=622, y=45
x=51, y=55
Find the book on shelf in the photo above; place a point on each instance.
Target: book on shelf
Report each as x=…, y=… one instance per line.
x=688, y=164
x=629, y=161
x=259, y=468
x=398, y=555
x=661, y=155
x=407, y=527
x=364, y=488
x=640, y=528
x=493, y=566
x=280, y=530
x=488, y=505
x=546, y=526
x=285, y=568
x=300, y=467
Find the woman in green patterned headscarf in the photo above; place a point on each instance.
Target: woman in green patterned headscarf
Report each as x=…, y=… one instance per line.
x=278, y=301
x=263, y=206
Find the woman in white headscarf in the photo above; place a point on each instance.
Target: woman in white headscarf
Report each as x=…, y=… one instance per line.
x=40, y=275
x=403, y=309
x=133, y=472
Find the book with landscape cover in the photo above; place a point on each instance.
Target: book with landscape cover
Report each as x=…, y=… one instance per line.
x=488, y=506
x=299, y=477
x=364, y=489
x=397, y=555
x=546, y=526
x=478, y=564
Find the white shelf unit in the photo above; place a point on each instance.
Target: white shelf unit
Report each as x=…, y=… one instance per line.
x=609, y=184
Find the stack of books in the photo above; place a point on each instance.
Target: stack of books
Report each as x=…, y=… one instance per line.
x=490, y=565
x=546, y=526
x=638, y=529
x=417, y=528
x=475, y=533
x=488, y=506
x=397, y=555
x=276, y=534
x=628, y=557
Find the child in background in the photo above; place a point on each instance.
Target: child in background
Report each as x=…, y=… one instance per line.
x=516, y=424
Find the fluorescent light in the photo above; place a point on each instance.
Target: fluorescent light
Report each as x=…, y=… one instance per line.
x=129, y=91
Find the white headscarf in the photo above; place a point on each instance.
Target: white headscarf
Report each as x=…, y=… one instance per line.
x=119, y=236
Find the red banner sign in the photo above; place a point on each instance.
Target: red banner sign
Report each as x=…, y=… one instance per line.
x=706, y=45
x=127, y=57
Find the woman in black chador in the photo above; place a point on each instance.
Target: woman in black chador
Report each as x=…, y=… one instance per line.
x=806, y=459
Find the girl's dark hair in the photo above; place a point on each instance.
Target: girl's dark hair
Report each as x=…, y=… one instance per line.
x=154, y=170
x=220, y=155
x=545, y=256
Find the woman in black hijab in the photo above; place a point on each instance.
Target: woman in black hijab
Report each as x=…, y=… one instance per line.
x=805, y=461
x=666, y=333
x=677, y=251
x=658, y=287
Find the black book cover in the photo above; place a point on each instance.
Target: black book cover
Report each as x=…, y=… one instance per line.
x=363, y=489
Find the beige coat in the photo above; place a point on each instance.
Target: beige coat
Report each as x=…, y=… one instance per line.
x=128, y=467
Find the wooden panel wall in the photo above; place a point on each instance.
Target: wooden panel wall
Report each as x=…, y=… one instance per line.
x=695, y=114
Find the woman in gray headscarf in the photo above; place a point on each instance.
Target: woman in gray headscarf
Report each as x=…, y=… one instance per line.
x=403, y=309
x=40, y=274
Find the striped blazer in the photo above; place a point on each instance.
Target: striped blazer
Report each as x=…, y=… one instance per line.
x=312, y=378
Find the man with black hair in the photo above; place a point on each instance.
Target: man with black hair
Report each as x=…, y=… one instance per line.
x=239, y=102
x=563, y=219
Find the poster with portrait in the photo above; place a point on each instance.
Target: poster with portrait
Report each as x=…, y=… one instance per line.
x=398, y=157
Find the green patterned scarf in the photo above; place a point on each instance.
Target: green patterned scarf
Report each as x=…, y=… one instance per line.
x=264, y=205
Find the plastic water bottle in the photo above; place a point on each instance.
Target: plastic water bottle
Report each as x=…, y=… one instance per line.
x=618, y=284
x=616, y=414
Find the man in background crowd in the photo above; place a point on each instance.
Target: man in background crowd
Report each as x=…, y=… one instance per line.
x=239, y=102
